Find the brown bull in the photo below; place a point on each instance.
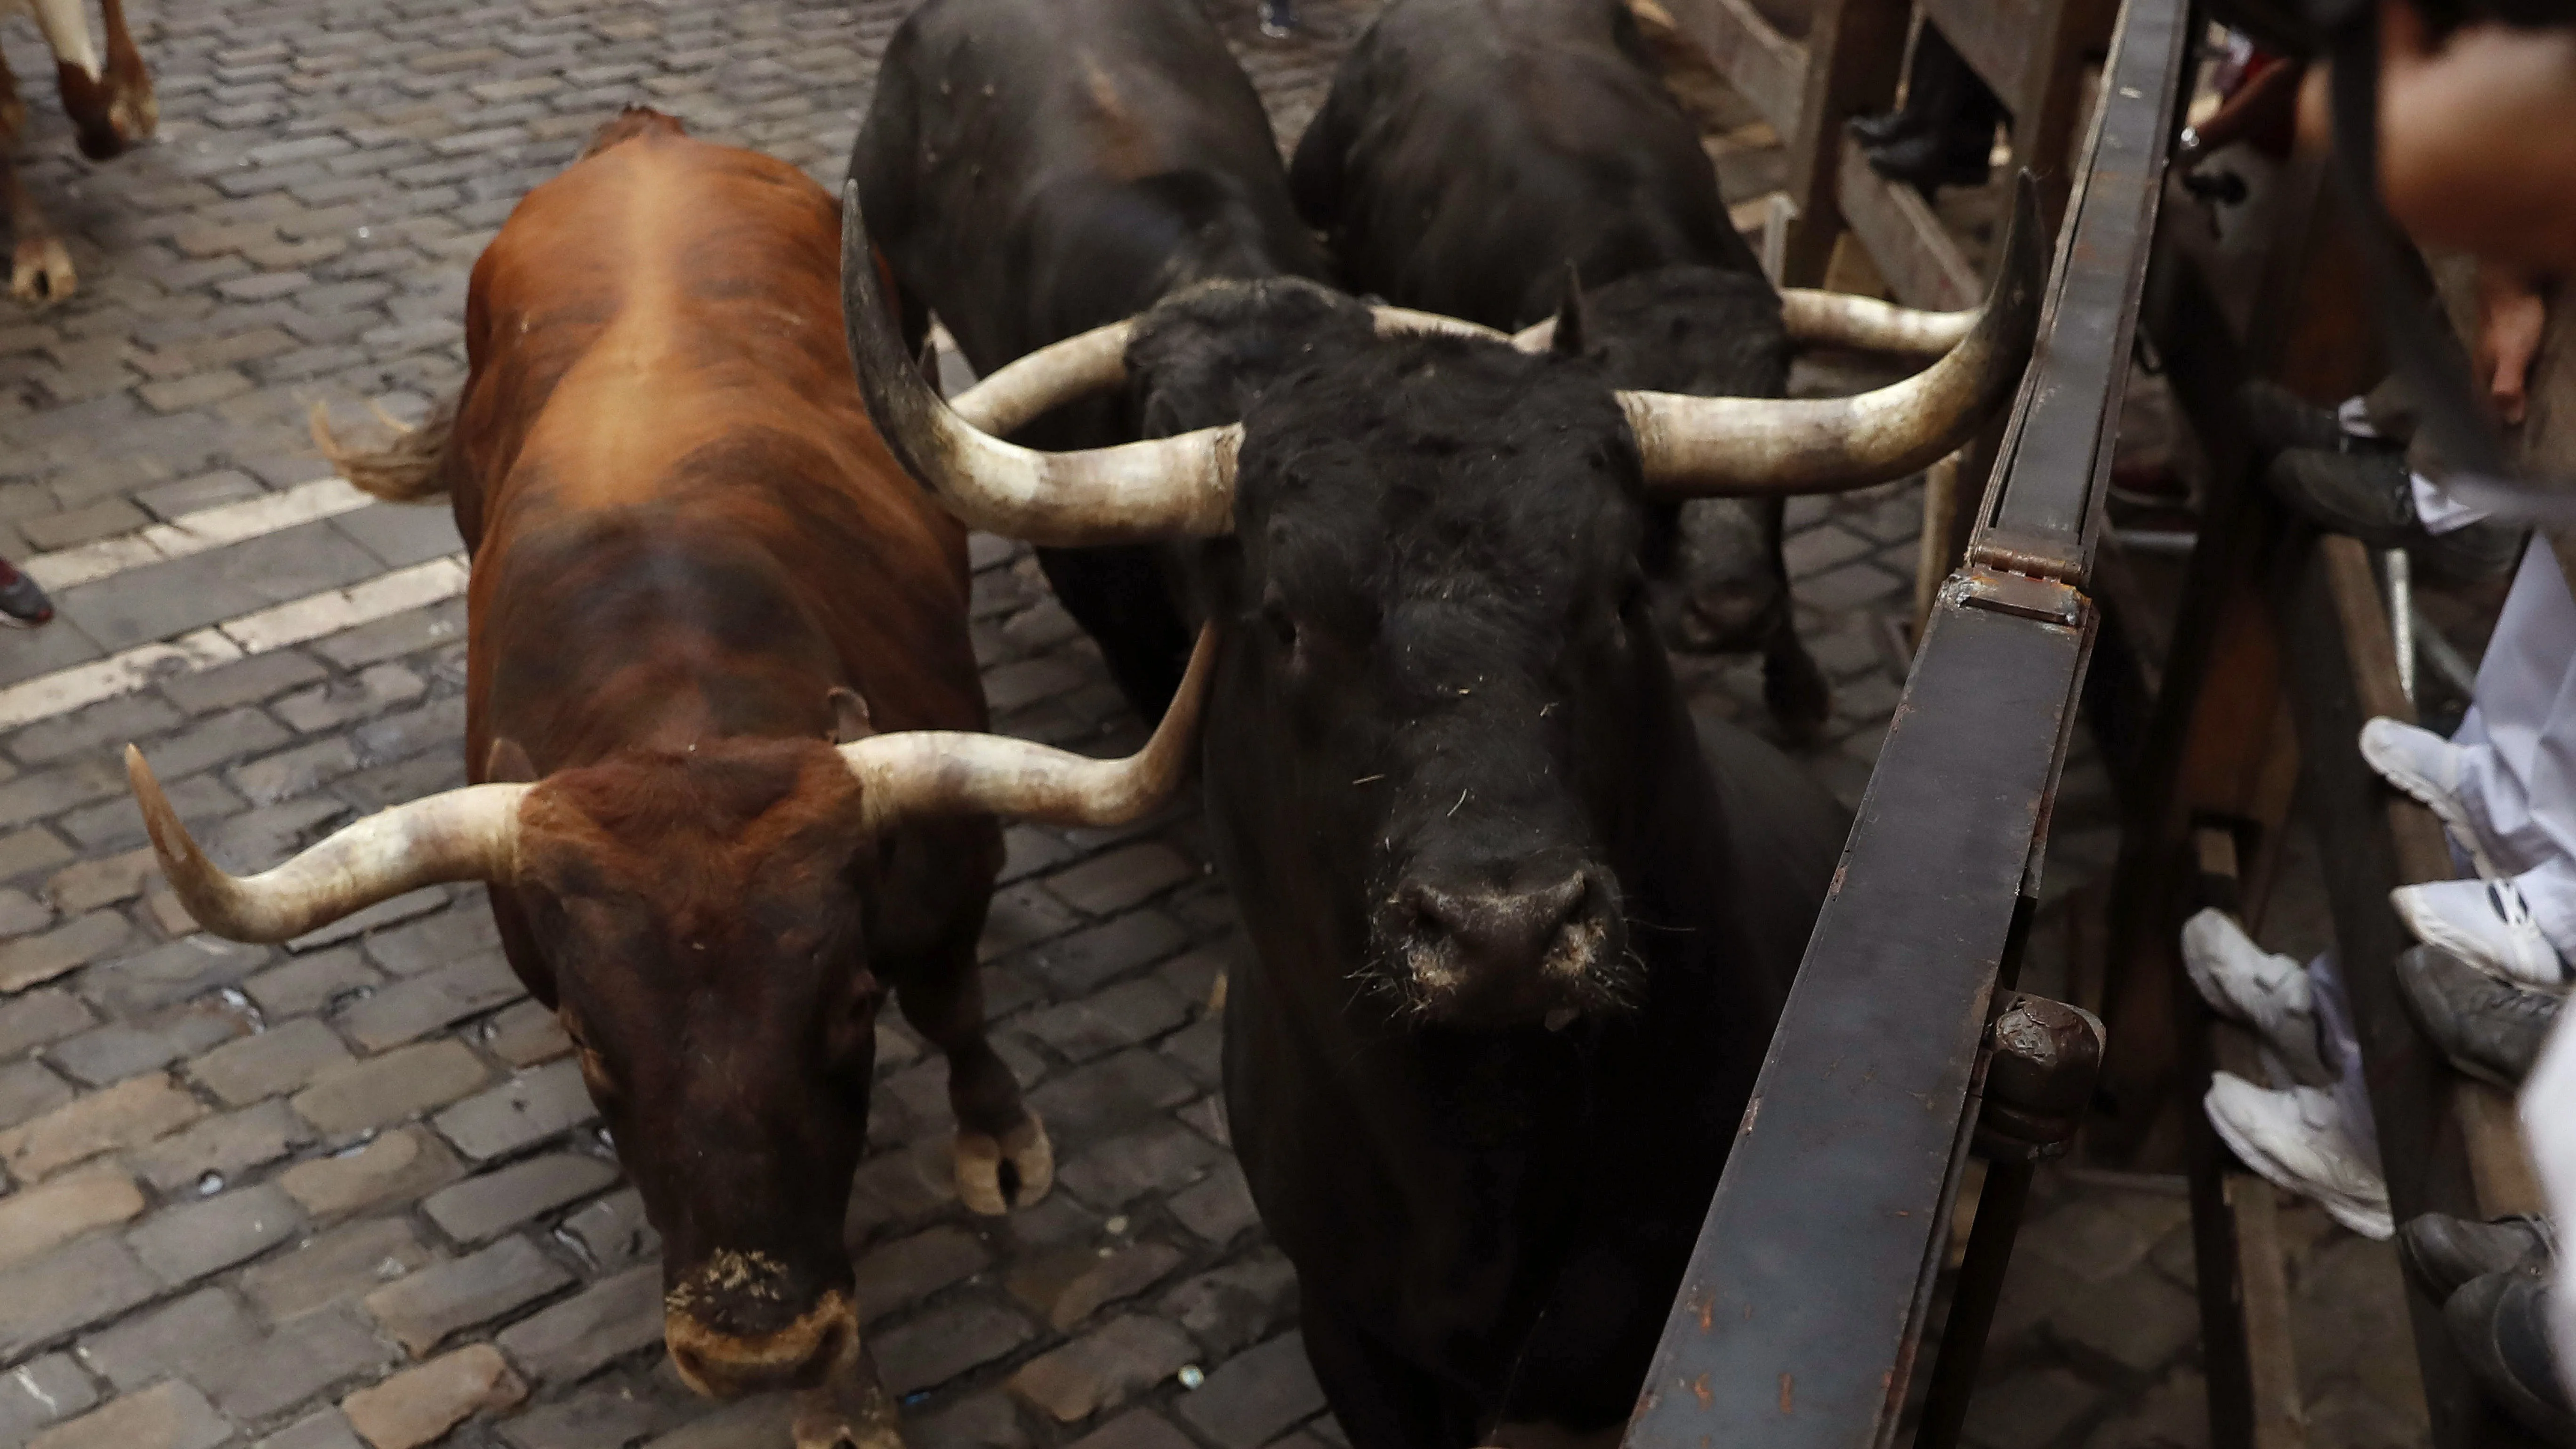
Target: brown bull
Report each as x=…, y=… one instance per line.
x=701, y=587
x=109, y=99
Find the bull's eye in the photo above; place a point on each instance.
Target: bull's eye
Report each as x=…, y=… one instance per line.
x=1282, y=625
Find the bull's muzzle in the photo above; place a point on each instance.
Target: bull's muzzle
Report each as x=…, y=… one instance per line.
x=1494, y=957
x=718, y=1322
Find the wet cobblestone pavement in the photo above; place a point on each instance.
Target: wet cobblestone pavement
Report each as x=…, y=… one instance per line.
x=351, y=1190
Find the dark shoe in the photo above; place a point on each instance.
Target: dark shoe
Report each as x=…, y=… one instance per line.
x=1887, y=127
x=2490, y=1028
x=2363, y=494
x=2497, y=1324
x=2278, y=418
x=2442, y=1252
x=21, y=600
x=1932, y=159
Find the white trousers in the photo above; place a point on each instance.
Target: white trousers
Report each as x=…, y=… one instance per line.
x=2518, y=746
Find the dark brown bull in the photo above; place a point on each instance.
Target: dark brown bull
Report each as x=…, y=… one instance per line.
x=700, y=586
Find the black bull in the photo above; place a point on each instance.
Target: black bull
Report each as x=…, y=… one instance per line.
x=1034, y=170
x=1470, y=152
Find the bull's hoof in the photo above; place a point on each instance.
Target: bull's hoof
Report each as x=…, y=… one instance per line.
x=827, y=1418
x=1800, y=698
x=980, y=1160
x=42, y=271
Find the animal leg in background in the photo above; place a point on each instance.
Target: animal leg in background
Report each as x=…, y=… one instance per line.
x=40, y=269
x=943, y=998
x=1793, y=687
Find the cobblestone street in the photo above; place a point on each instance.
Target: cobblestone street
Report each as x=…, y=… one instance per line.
x=351, y=1190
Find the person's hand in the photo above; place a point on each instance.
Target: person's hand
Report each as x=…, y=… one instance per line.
x=2511, y=312
x=2477, y=137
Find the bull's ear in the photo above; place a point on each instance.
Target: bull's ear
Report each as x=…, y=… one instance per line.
x=849, y=716
x=508, y=764
x=1570, y=321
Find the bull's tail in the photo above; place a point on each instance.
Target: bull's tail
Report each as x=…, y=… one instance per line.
x=408, y=467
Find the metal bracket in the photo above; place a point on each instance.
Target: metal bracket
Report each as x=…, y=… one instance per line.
x=2041, y=1059
x=2045, y=600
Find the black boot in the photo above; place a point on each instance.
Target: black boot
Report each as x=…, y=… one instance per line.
x=2441, y=1252
x=21, y=599
x=1887, y=127
x=2497, y=1323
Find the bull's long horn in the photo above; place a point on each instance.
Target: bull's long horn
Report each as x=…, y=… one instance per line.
x=467, y=834
x=1129, y=493
x=1695, y=446
x=933, y=772
x=1096, y=361
x=1833, y=319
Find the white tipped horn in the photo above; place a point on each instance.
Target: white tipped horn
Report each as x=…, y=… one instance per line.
x=1865, y=324
x=467, y=834
x=915, y=773
x=1129, y=493
x=1695, y=446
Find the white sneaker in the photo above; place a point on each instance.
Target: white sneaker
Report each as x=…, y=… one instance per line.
x=2244, y=982
x=2485, y=923
x=2427, y=767
x=2296, y=1138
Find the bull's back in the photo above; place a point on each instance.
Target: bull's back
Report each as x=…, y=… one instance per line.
x=1037, y=167
x=1471, y=148
x=659, y=376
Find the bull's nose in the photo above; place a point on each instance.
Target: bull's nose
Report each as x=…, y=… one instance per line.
x=1500, y=930
x=738, y=1325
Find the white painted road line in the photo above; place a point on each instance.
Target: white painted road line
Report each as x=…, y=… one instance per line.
x=194, y=533
x=298, y=621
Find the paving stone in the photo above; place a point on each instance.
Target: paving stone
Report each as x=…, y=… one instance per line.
x=1117, y=1091
x=1237, y=1304
x=532, y=1106
x=39, y=1018
x=1122, y=1016
x=899, y=1274
x=764, y=1419
x=399, y=1165
x=89, y=1281
x=311, y=983
x=1107, y=884
x=945, y=1342
x=186, y=1243
x=1078, y=964
x=105, y=881
x=418, y=1406
x=168, y=1340
x=1136, y=1429
x=35, y=960
x=328, y=1429
x=386, y=1089
x=333, y=1267
x=44, y=1391
x=35, y=1220
x=1220, y=1207
x=439, y=940
x=615, y=1316
x=247, y=682
x=495, y=1202
x=118, y=1050
x=424, y=1308
x=340, y=701
x=434, y=999
x=201, y=1158
x=1255, y=1395
x=1104, y=1368
x=1071, y=1283
x=260, y=1378
x=2031, y=1408
x=174, y=972
x=2137, y=1321
x=603, y=1416
x=528, y=1033
x=275, y=1061
x=30, y=1089
x=1161, y=1158
x=2174, y=1414
x=614, y=1233
x=165, y=1416
x=129, y=1114
x=980, y=1421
